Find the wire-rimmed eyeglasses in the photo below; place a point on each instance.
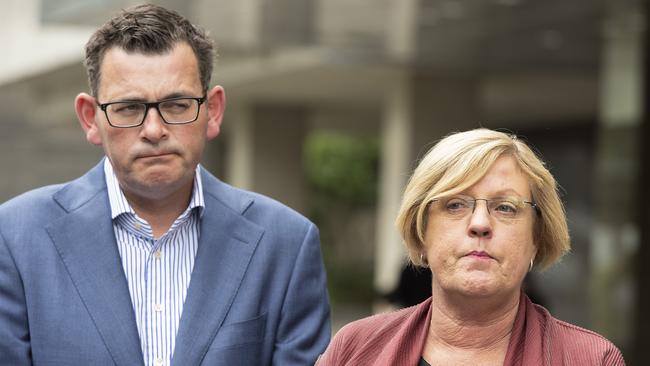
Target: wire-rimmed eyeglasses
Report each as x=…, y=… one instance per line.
x=503, y=208
x=173, y=111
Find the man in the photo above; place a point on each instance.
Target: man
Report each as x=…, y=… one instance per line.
x=148, y=259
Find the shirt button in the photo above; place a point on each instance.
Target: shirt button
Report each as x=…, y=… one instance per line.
x=138, y=226
x=158, y=362
x=157, y=254
x=158, y=307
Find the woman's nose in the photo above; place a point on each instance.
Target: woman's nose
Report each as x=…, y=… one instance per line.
x=480, y=224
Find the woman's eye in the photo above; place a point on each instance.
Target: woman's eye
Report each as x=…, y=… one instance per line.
x=456, y=205
x=506, y=207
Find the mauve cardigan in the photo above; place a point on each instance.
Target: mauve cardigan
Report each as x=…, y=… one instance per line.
x=397, y=339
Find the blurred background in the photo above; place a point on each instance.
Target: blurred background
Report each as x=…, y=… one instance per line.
x=332, y=102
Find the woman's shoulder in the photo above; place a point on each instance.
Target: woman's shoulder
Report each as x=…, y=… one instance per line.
x=365, y=338
x=380, y=325
x=582, y=342
x=581, y=345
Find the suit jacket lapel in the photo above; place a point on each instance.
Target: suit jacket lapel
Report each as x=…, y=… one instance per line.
x=85, y=240
x=226, y=246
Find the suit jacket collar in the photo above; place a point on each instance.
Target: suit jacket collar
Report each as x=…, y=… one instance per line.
x=85, y=240
x=226, y=246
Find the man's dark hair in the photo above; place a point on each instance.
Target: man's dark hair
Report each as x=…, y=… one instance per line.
x=148, y=29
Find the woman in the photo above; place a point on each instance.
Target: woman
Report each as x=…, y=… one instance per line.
x=480, y=211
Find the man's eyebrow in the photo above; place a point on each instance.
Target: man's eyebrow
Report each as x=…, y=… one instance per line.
x=129, y=99
x=180, y=95
x=144, y=100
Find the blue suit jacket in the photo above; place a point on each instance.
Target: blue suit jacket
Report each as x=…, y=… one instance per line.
x=257, y=295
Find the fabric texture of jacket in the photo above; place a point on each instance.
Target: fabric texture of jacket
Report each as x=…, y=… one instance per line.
x=537, y=338
x=257, y=294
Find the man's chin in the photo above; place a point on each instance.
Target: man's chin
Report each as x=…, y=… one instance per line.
x=157, y=184
x=157, y=168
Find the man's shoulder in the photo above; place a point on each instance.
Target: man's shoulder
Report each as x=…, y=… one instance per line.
x=31, y=199
x=42, y=201
x=26, y=212
x=254, y=206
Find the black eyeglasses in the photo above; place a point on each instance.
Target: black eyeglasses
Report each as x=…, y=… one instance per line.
x=173, y=111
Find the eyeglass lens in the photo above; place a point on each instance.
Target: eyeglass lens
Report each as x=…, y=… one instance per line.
x=182, y=110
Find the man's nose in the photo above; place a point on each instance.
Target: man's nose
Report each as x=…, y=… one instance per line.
x=154, y=127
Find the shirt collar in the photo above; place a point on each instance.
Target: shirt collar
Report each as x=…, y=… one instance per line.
x=120, y=205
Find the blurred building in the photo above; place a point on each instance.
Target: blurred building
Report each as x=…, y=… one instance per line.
x=567, y=75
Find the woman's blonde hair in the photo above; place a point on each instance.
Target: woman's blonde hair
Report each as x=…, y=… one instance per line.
x=460, y=160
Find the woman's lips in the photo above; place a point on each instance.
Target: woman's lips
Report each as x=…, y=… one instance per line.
x=479, y=254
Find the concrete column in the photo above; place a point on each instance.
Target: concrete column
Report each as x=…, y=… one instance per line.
x=641, y=344
x=419, y=110
x=615, y=237
x=442, y=105
x=236, y=24
x=279, y=133
x=395, y=164
x=401, y=40
x=240, y=146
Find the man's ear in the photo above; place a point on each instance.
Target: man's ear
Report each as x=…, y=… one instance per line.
x=216, y=104
x=85, y=107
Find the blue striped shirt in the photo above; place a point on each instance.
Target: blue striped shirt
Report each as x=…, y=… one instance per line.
x=157, y=271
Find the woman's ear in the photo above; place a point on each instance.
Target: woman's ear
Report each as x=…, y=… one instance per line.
x=85, y=107
x=216, y=104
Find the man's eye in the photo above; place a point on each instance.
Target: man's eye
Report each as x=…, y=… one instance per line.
x=176, y=106
x=127, y=108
